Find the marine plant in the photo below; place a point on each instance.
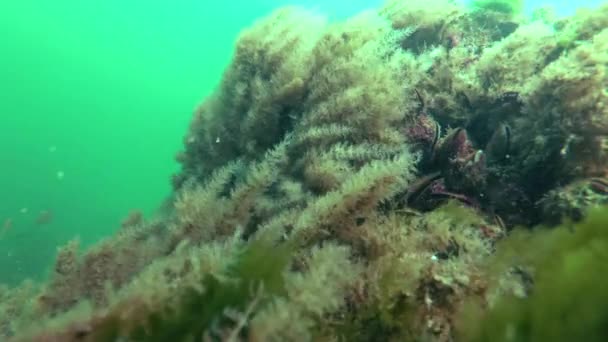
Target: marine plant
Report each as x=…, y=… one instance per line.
x=567, y=301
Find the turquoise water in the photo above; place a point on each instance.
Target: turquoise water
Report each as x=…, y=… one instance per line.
x=94, y=99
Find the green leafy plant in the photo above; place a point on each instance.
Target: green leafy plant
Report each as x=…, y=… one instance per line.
x=568, y=299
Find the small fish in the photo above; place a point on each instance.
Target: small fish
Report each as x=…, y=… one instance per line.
x=60, y=175
x=436, y=137
x=44, y=217
x=23, y=210
x=499, y=222
x=8, y=224
x=463, y=99
x=499, y=146
x=421, y=105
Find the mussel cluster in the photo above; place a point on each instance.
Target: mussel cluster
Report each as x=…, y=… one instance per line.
x=484, y=165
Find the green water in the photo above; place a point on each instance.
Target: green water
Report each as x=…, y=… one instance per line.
x=101, y=93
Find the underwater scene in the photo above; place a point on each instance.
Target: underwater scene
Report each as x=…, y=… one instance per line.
x=268, y=170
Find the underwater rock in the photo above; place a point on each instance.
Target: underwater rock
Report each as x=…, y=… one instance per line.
x=351, y=181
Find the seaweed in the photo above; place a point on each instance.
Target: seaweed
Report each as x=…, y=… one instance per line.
x=194, y=308
x=568, y=301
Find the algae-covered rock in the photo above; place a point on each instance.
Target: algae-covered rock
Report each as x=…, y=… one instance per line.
x=353, y=181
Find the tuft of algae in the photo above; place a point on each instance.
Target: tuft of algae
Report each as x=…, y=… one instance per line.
x=568, y=300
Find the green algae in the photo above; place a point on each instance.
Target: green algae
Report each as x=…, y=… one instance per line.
x=568, y=299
